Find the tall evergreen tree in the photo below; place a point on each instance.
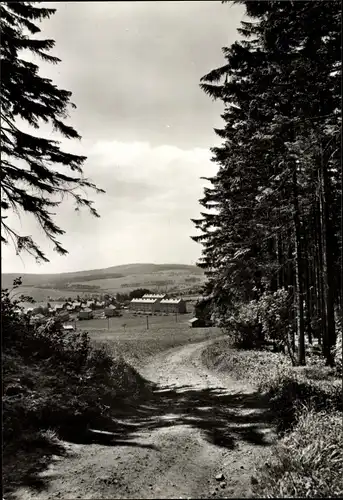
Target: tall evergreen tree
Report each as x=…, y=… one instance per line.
x=275, y=192
x=36, y=173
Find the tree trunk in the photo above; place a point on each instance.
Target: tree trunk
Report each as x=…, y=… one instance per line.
x=330, y=335
x=321, y=317
x=307, y=289
x=291, y=282
x=298, y=272
x=280, y=281
x=308, y=304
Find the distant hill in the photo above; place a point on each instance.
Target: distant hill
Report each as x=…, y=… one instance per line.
x=169, y=277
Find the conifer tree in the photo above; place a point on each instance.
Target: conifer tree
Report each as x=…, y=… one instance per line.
x=276, y=191
x=36, y=173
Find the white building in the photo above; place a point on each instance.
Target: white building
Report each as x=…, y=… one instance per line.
x=144, y=305
x=173, y=306
x=157, y=297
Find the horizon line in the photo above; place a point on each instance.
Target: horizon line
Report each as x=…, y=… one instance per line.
x=101, y=268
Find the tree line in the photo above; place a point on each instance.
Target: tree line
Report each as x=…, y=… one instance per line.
x=272, y=220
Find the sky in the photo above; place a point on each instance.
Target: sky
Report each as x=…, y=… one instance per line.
x=134, y=70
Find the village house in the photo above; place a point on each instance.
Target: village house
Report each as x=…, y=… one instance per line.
x=37, y=319
x=100, y=305
x=63, y=316
x=68, y=328
x=196, y=323
x=86, y=314
x=110, y=311
x=77, y=306
x=58, y=308
x=34, y=310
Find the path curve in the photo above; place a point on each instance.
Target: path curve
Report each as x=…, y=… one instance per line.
x=201, y=425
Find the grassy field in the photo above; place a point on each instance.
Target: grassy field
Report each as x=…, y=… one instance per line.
x=122, y=279
x=135, y=342
x=41, y=294
x=161, y=279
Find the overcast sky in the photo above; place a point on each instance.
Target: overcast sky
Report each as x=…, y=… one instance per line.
x=146, y=126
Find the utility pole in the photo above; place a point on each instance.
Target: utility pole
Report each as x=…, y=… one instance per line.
x=147, y=322
x=108, y=323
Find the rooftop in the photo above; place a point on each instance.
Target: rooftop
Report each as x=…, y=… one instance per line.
x=171, y=301
x=143, y=300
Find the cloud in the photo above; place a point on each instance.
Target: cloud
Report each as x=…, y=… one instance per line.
x=134, y=70
x=151, y=195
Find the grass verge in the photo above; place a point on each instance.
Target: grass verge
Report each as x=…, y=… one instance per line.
x=307, y=405
x=307, y=462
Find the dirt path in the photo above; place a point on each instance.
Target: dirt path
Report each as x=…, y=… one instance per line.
x=199, y=425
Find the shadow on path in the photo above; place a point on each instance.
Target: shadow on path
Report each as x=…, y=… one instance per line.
x=33, y=456
x=224, y=419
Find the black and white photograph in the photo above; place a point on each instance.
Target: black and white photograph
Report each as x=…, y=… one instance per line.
x=171, y=249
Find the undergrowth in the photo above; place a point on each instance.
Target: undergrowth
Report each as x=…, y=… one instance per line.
x=307, y=405
x=56, y=385
x=308, y=462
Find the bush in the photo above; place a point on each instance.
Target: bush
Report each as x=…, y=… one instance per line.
x=287, y=393
x=57, y=381
x=260, y=321
x=62, y=394
x=308, y=462
x=244, y=328
x=273, y=309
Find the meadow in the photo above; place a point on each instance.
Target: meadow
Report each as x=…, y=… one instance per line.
x=123, y=279
x=135, y=342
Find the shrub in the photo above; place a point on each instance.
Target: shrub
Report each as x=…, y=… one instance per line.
x=273, y=309
x=260, y=321
x=57, y=381
x=308, y=462
x=286, y=393
x=244, y=328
